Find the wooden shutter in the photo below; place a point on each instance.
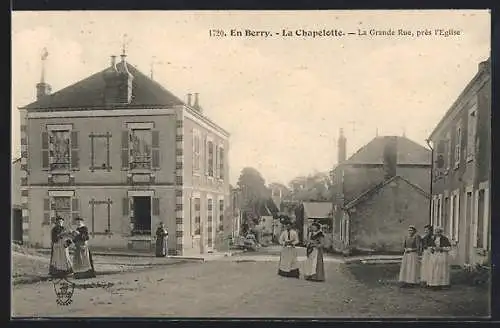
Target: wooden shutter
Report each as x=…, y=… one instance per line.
x=75, y=208
x=45, y=150
x=221, y=163
x=46, y=212
x=156, y=207
x=125, y=154
x=205, y=150
x=125, y=206
x=215, y=150
x=75, y=159
x=155, y=149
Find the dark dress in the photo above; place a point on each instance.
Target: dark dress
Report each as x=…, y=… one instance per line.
x=82, y=258
x=161, y=242
x=60, y=262
x=314, y=268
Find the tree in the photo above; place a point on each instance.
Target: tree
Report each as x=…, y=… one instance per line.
x=314, y=187
x=253, y=193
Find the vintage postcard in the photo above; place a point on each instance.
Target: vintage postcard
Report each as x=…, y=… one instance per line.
x=266, y=164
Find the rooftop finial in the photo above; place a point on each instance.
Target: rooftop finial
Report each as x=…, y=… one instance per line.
x=152, y=66
x=44, y=56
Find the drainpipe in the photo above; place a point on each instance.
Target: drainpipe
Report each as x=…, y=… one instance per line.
x=432, y=178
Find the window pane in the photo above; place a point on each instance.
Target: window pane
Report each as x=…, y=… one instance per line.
x=60, y=149
x=100, y=153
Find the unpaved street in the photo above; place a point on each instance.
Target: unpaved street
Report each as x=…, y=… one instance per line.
x=246, y=288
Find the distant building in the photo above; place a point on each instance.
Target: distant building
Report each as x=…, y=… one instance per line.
x=462, y=170
x=126, y=154
x=378, y=192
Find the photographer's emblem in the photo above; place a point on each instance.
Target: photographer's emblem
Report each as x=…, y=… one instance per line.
x=64, y=290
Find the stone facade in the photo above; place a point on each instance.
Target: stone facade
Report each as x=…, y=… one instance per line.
x=462, y=170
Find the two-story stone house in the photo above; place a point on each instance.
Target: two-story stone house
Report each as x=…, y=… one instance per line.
x=124, y=153
x=462, y=170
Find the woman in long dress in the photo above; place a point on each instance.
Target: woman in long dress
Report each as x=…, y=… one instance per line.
x=288, y=259
x=439, y=276
x=83, y=265
x=426, y=244
x=161, y=241
x=408, y=274
x=60, y=261
x=314, y=268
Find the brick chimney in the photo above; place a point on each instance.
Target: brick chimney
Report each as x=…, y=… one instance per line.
x=189, y=96
x=390, y=156
x=196, y=104
x=118, y=83
x=484, y=66
x=341, y=147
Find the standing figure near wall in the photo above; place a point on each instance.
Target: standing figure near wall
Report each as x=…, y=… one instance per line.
x=161, y=241
x=314, y=268
x=60, y=262
x=289, y=238
x=408, y=274
x=83, y=265
x=439, y=276
x=426, y=245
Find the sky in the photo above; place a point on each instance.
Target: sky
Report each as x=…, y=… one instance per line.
x=283, y=99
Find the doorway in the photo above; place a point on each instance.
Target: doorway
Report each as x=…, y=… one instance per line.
x=142, y=215
x=17, y=226
x=468, y=223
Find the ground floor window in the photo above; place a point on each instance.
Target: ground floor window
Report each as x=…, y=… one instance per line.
x=210, y=222
x=480, y=240
x=197, y=217
x=100, y=217
x=142, y=215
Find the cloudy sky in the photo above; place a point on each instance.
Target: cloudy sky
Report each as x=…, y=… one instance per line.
x=282, y=99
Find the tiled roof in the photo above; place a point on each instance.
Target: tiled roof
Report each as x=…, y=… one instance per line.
x=408, y=152
x=366, y=195
x=317, y=210
x=89, y=93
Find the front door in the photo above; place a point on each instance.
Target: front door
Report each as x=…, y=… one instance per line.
x=468, y=225
x=142, y=215
x=17, y=226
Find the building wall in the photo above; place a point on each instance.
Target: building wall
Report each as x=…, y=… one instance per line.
x=16, y=184
x=381, y=222
x=39, y=233
x=358, y=179
x=418, y=175
x=115, y=125
x=471, y=176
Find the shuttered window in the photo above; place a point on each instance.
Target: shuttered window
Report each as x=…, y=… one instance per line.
x=75, y=159
x=156, y=207
x=75, y=208
x=155, y=149
x=45, y=150
x=46, y=212
x=124, y=152
x=125, y=206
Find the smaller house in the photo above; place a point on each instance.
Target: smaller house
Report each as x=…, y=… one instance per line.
x=320, y=212
x=379, y=217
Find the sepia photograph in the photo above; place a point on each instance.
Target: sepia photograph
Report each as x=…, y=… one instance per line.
x=251, y=164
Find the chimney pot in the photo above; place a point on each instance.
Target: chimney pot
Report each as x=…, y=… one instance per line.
x=189, y=99
x=196, y=103
x=113, y=61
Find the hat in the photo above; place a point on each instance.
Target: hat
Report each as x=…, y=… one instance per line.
x=79, y=219
x=438, y=229
x=59, y=218
x=285, y=219
x=412, y=227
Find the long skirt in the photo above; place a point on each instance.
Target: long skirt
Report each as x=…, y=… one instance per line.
x=289, y=266
x=425, y=267
x=314, y=268
x=408, y=274
x=60, y=261
x=83, y=265
x=440, y=270
x=161, y=247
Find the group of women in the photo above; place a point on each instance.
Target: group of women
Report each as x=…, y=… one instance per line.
x=426, y=259
x=61, y=265
x=314, y=269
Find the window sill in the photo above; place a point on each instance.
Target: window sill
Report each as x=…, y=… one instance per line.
x=102, y=233
x=100, y=168
x=196, y=174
